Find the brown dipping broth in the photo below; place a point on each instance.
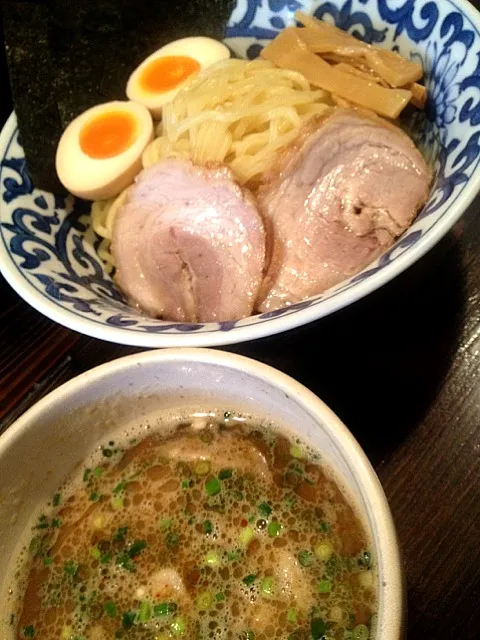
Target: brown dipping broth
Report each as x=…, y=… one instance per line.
x=230, y=531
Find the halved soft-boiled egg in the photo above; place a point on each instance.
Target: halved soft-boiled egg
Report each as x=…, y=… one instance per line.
x=159, y=78
x=100, y=152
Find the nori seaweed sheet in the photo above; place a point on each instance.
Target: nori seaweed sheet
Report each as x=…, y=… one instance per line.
x=70, y=55
x=25, y=26
x=96, y=44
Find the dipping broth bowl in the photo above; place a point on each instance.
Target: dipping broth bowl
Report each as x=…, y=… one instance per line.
x=51, y=440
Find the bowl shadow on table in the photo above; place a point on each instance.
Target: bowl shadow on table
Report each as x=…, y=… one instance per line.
x=380, y=362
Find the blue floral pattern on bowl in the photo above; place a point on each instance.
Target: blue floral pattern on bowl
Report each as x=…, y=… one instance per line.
x=48, y=249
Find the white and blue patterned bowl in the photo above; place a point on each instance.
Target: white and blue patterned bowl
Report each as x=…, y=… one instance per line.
x=47, y=249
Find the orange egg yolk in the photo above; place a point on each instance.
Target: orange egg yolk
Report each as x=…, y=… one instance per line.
x=166, y=73
x=108, y=134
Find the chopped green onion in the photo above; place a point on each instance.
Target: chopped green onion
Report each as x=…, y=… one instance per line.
x=290, y=501
x=213, y=486
x=249, y=635
x=105, y=559
x=291, y=615
x=120, y=487
x=219, y=597
x=42, y=522
x=86, y=474
x=99, y=522
x=121, y=534
x=324, y=586
x=56, y=500
x=29, y=631
x=204, y=601
x=274, y=529
x=245, y=536
x=207, y=527
x=165, y=523
x=136, y=548
x=305, y=558
x=202, y=468
x=66, y=633
x=94, y=496
x=317, y=628
x=95, y=553
x=124, y=561
x=164, y=609
x=185, y=484
x=225, y=474
x=172, y=540
x=365, y=559
x=56, y=522
x=117, y=503
x=250, y=579
x=212, y=559
x=71, y=568
x=267, y=586
x=333, y=566
x=232, y=556
x=98, y=472
x=265, y=509
x=296, y=451
x=145, y=612
x=110, y=609
x=324, y=527
x=360, y=632
x=36, y=545
x=128, y=619
x=323, y=551
x=178, y=627
x=47, y=561
x=296, y=468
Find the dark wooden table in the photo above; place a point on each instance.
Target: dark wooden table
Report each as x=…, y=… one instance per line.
x=400, y=367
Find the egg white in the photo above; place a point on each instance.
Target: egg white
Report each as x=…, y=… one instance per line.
x=205, y=51
x=98, y=179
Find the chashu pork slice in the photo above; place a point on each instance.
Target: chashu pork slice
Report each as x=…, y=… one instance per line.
x=339, y=197
x=189, y=244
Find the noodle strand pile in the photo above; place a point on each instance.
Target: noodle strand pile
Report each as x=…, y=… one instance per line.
x=235, y=112
x=239, y=113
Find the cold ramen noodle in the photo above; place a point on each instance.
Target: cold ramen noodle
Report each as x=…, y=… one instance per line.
x=225, y=531
x=228, y=187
